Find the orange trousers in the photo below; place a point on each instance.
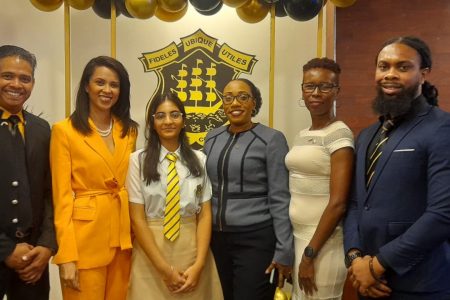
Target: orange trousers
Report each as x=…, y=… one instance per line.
x=104, y=283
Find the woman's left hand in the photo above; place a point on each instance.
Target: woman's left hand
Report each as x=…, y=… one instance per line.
x=284, y=272
x=192, y=275
x=306, y=280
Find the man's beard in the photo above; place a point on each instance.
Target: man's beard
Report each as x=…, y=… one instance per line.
x=395, y=105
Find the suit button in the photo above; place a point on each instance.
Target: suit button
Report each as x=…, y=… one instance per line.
x=15, y=220
x=367, y=207
x=15, y=201
x=15, y=183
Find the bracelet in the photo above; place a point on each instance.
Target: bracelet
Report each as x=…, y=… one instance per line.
x=372, y=270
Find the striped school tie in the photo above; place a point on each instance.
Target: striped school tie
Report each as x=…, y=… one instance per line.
x=172, y=210
x=388, y=124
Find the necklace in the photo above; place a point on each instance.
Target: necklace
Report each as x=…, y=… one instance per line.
x=106, y=132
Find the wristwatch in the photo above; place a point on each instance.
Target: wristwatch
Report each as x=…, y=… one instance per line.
x=350, y=257
x=310, y=252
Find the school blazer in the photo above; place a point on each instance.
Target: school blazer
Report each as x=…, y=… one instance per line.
x=404, y=215
x=90, y=201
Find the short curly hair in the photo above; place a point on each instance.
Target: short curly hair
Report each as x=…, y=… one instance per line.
x=256, y=94
x=323, y=63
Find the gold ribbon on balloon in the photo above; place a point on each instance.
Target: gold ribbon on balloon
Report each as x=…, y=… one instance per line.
x=272, y=65
x=319, y=33
x=67, y=81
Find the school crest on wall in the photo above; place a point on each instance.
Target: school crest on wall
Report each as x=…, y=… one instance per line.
x=197, y=69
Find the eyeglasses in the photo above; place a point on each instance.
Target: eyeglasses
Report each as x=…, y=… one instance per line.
x=323, y=87
x=173, y=115
x=242, y=98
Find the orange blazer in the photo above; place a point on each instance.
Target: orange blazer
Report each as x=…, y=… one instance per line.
x=90, y=201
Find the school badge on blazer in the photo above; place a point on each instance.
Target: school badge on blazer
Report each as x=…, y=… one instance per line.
x=197, y=69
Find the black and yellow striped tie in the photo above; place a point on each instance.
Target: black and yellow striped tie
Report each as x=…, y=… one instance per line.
x=376, y=153
x=172, y=210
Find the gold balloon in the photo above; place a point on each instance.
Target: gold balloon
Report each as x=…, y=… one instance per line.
x=280, y=295
x=172, y=6
x=343, y=3
x=81, y=4
x=141, y=9
x=168, y=16
x=234, y=3
x=253, y=11
x=47, y=5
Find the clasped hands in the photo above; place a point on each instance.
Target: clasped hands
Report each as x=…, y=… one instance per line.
x=28, y=261
x=368, y=283
x=183, y=282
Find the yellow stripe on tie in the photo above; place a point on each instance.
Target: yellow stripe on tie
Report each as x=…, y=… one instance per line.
x=171, y=227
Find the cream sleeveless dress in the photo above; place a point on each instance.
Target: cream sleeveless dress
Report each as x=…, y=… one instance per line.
x=309, y=182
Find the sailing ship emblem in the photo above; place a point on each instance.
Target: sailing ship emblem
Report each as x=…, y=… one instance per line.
x=197, y=69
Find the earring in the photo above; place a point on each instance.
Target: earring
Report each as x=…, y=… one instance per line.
x=336, y=103
x=254, y=112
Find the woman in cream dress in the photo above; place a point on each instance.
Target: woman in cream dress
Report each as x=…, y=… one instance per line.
x=320, y=170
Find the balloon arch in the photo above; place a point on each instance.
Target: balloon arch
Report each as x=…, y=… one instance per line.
x=250, y=11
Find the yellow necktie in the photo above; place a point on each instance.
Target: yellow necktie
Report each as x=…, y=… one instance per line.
x=172, y=210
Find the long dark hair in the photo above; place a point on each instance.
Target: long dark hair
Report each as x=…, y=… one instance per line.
x=120, y=110
x=152, y=148
x=429, y=91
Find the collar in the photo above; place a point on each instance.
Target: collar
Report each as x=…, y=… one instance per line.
x=4, y=114
x=164, y=151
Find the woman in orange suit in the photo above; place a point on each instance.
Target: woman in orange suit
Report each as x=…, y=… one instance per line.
x=89, y=155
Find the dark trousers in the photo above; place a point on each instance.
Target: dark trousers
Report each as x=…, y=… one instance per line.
x=241, y=259
x=15, y=289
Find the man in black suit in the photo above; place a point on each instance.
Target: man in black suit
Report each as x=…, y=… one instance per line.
x=27, y=236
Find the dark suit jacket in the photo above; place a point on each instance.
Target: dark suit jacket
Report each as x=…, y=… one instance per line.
x=404, y=215
x=37, y=140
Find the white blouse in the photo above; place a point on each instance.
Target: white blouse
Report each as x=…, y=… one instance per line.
x=193, y=190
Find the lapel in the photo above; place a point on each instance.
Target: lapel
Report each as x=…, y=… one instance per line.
x=394, y=139
x=31, y=135
x=96, y=143
x=120, y=144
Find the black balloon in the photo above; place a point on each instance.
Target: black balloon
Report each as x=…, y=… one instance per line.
x=102, y=8
x=211, y=11
x=302, y=10
x=205, y=5
x=279, y=9
x=120, y=7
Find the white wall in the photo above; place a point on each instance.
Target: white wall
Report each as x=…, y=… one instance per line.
x=43, y=34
